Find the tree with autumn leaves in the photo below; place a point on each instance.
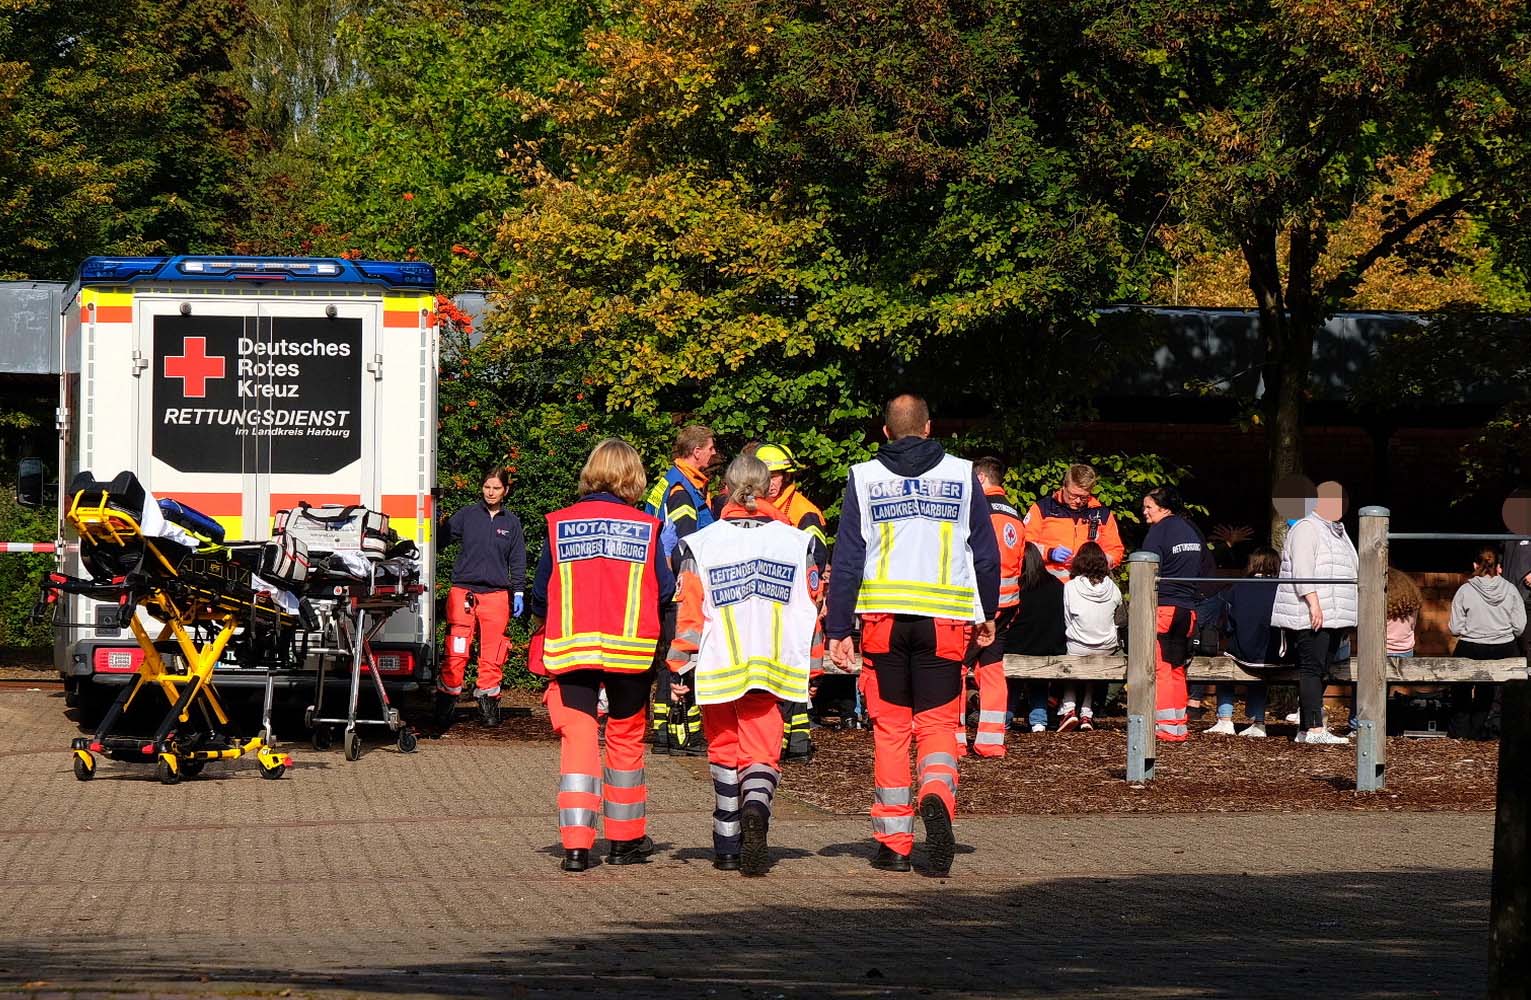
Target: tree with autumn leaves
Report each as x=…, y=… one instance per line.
x=1287, y=132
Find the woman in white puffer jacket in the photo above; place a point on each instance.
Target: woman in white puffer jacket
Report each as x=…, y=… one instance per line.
x=1316, y=616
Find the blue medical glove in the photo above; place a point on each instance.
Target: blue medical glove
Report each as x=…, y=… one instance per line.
x=668, y=539
x=518, y=604
x=1061, y=554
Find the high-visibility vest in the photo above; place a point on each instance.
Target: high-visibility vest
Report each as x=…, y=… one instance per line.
x=916, y=533
x=657, y=499
x=603, y=594
x=758, y=613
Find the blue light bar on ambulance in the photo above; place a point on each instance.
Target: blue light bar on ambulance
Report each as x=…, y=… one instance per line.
x=303, y=270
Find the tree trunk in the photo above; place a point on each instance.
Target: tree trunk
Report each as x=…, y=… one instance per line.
x=1286, y=367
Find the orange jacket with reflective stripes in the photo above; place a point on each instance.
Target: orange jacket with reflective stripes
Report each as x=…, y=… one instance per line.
x=1051, y=523
x=1010, y=533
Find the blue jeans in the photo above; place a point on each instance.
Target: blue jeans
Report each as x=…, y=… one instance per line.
x=1255, y=694
x=1036, y=697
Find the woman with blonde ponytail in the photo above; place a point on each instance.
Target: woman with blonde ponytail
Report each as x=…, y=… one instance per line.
x=746, y=636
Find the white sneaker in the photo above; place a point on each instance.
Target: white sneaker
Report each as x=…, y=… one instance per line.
x=1224, y=727
x=1039, y=728
x=1323, y=737
x=1256, y=730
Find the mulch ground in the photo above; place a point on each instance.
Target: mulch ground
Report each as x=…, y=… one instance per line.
x=1074, y=773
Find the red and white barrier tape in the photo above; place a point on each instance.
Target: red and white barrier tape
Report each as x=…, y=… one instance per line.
x=28, y=547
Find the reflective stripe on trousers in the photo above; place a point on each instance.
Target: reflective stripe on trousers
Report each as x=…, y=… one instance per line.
x=991, y=729
x=725, y=811
x=758, y=783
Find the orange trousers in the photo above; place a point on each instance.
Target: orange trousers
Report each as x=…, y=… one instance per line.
x=491, y=613
x=744, y=754
x=1171, y=654
x=993, y=697
x=912, y=685
x=619, y=789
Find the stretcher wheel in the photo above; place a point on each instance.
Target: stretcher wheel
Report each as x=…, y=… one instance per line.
x=84, y=771
x=308, y=717
x=407, y=741
x=192, y=768
x=273, y=772
x=321, y=739
x=167, y=774
x=352, y=744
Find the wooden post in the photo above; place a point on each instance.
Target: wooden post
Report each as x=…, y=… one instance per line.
x=1142, y=641
x=1509, y=967
x=1371, y=653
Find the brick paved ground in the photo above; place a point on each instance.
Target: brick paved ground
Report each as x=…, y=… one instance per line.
x=436, y=875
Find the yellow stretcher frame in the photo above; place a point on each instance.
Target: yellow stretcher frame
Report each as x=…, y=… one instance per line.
x=196, y=602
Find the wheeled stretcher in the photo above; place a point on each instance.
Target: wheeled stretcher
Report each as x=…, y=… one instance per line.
x=360, y=574
x=170, y=562
x=352, y=607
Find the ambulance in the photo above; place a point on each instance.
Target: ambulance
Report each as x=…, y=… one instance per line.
x=241, y=386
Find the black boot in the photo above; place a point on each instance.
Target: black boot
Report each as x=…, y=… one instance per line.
x=754, y=855
x=444, y=711
x=489, y=709
x=726, y=862
x=630, y=852
x=575, y=859
x=940, y=844
x=889, y=860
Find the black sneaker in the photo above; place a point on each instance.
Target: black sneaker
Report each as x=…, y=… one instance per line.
x=575, y=859
x=755, y=856
x=940, y=844
x=488, y=709
x=888, y=860
x=630, y=852
x=726, y=862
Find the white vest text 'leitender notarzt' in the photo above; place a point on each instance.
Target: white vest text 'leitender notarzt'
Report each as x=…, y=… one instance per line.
x=916, y=532
x=758, y=615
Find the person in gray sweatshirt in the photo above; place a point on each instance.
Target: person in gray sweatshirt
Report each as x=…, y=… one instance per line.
x=1487, y=617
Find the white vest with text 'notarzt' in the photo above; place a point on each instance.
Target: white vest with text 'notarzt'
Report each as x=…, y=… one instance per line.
x=758, y=615
x=916, y=532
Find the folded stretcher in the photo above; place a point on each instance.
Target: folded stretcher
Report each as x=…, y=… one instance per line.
x=171, y=562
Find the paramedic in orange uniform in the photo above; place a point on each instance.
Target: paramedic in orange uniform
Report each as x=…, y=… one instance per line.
x=596, y=600
x=915, y=558
x=1058, y=524
x=993, y=689
x=746, y=636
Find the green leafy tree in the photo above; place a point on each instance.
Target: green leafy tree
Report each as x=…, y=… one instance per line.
x=772, y=215
x=406, y=155
x=117, y=130
x=1264, y=124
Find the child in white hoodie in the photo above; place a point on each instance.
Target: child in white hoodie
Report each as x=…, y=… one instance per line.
x=1091, y=600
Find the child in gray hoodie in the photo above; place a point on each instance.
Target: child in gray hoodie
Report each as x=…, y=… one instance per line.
x=1487, y=616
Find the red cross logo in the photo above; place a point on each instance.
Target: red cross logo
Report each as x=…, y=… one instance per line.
x=194, y=368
